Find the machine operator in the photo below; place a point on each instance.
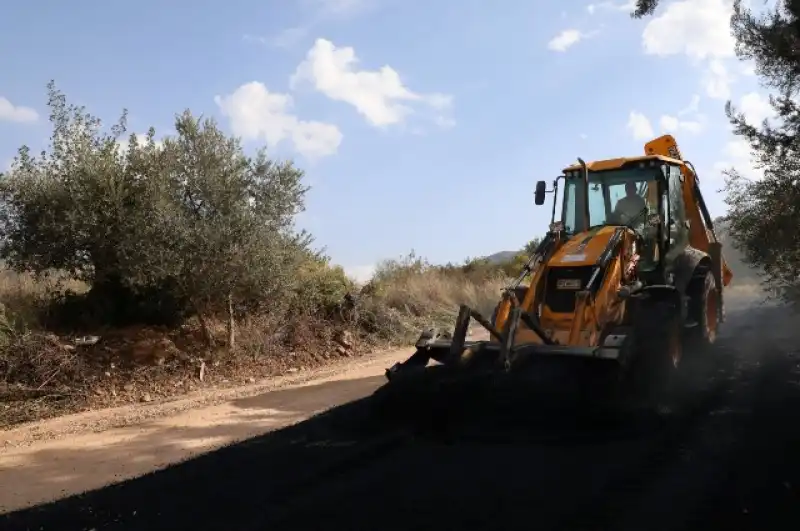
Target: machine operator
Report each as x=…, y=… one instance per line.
x=631, y=205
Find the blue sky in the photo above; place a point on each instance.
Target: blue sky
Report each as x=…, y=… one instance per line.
x=420, y=125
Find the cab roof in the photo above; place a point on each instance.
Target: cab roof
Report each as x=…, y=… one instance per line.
x=613, y=164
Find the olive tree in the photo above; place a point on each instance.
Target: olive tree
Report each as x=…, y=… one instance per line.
x=69, y=207
x=190, y=216
x=217, y=224
x=65, y=209
x=763, y=213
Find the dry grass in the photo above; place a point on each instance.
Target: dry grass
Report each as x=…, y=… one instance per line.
x=24, y=296
x=41, y=375
x=437, y=294
x=400, y=304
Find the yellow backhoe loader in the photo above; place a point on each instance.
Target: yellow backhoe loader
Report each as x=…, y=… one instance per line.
x=630, y=279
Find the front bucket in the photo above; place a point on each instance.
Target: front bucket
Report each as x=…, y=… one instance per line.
x=539, y=386
x=525, y=384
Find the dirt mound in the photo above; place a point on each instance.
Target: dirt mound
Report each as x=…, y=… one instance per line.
x=48, y=375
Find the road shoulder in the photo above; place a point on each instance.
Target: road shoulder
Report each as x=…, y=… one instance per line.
x=59, y=457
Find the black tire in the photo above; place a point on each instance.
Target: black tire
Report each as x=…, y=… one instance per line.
x=658, y=356
x=705, y=311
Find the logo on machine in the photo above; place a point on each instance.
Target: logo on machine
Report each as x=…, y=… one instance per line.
x=568, y=283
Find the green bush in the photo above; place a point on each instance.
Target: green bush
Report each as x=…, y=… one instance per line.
x=159, y=230
x=321, y=287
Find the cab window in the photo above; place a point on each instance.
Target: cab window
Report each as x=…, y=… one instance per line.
x=678, y=232
x=606, y=190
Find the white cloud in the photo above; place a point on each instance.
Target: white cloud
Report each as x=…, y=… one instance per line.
x=255, y=38
x=16, y=113
x=255, y=113
x=627, y=5
x=693, y=106
x=640, y=126
x=688, y=120
x=378, y=95
x=289, y=37
x=444, y=122
x=697, y=28
x=747, y=68
x=672, y=124
x=717, y=80
x=565, y=40
x=361, y=274
x=737, y=155
x=316, y=12
x=755, y=107
x=669, y=123
x=339, y=7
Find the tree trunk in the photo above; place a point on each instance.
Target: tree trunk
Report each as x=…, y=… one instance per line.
x=231, y=325
x=207, y=335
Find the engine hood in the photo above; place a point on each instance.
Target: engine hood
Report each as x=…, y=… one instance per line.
x=583, y=248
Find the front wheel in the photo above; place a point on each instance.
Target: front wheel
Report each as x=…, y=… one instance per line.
x=706, y=312
x=658, y=354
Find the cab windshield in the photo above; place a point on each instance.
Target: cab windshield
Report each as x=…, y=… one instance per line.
x=624, y=196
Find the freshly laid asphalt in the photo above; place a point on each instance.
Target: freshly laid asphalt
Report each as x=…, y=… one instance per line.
x=727, y=457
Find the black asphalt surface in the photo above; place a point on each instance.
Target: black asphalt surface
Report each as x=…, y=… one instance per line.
x=727, y=457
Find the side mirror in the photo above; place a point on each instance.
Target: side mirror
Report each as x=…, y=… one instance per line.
x=538, y=196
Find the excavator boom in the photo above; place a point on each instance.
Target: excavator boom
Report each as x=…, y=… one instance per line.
x=701, y=230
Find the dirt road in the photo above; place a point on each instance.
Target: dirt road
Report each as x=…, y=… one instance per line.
x=55, y=458
x=727, y=457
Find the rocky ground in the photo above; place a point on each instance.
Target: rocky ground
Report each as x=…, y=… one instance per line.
x=726, y=457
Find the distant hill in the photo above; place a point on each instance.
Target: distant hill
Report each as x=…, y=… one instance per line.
x=501, y=257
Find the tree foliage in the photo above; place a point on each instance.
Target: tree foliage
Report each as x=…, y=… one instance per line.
x=644, y=8
x=191, y=217
x=214, y=221
x=531, y=246
x=763, y=213
x=66, y=208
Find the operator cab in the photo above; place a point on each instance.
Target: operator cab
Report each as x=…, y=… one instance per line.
x=643, y=193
